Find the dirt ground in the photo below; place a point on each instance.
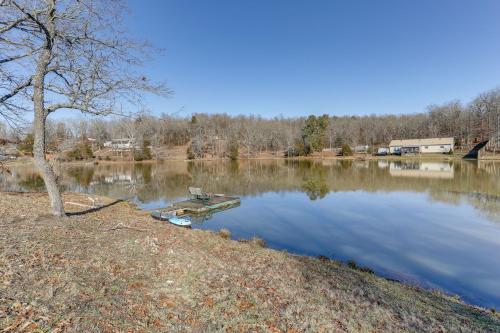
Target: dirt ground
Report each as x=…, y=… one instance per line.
x=118, y=270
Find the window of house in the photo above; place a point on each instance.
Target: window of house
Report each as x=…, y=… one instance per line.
x=441, y=146
x=426, y=147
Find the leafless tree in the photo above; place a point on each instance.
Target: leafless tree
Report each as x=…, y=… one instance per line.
x=66, y=54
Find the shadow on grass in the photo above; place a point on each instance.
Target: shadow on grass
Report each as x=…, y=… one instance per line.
x=96, y=209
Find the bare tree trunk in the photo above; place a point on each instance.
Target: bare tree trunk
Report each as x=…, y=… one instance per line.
x=44, y=166
x=48, y=175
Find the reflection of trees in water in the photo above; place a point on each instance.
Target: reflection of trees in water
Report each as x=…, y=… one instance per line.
x=146, y=171
x=170, y=180
x=82, y=175
x=315, y=188
x=21, y=178
x=234, y=168
x=487, y=204
x=314, y=180
x=32, y=182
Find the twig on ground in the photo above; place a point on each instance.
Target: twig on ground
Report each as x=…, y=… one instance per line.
x=124, y=226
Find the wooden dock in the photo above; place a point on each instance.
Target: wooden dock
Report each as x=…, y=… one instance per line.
x=198, y=207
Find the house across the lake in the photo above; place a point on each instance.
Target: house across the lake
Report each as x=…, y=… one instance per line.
x=120, y=144
x=361, y=149
x=422, y=146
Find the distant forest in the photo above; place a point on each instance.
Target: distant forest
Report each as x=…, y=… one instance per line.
x=217, y=134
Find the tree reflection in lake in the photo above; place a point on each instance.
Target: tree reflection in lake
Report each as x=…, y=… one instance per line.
x=170, y=180
x=32, y=182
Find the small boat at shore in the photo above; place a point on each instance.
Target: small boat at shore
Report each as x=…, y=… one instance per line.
x=172, y=218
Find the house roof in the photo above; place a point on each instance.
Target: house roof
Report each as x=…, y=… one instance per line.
x=422, y=142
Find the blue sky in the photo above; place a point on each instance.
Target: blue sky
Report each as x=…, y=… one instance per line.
x=293, y=58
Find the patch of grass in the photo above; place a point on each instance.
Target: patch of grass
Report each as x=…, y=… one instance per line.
x=224, y=233
x=352, y=264
x=258, y=241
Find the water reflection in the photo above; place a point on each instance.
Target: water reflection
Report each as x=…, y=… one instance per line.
x=31, y=182
x=433, y=222
x=421, y=169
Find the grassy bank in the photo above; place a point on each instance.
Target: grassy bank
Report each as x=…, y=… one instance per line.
x=118, y=270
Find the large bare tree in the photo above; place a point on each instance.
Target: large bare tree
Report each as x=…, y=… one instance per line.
x=66, y=54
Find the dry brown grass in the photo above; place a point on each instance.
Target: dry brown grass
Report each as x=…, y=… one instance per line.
x=224, y=233
x=118, y=270
x=258, y=242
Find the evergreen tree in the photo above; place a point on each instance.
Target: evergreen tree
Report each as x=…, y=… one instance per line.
x=314, y=131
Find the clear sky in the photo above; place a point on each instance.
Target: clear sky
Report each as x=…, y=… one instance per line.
x=298, y=57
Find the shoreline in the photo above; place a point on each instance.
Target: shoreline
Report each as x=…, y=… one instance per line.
x=143, y=263
x=359, y=157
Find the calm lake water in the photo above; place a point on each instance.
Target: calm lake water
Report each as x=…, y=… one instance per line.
x=431, y=223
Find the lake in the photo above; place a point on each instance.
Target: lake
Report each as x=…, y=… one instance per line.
x=431, y=223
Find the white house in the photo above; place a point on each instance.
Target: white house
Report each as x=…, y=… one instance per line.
x=422, y=146
x=121, y=144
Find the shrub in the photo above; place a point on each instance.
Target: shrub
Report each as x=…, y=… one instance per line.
x=190, y=154
x=258, y=241
x=197, y=149
x=224, y=233
x=299, y=148
x=144, y=153
x=346, y=150
x=138, y=155
x=26, y=146
x=80, y=152
x=366, y=270
x=233, y=151
x=352, y=264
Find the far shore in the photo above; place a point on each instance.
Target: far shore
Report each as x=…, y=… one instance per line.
x=314, y=157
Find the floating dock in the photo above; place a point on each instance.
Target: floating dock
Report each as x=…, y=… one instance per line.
x=198, y=207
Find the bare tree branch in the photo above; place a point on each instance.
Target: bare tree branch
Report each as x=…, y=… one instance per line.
x=15, y=91
x=67, y=54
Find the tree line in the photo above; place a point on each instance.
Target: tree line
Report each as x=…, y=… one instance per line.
x=217, y=135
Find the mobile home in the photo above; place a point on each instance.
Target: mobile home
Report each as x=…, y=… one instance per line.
x=422, y=146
